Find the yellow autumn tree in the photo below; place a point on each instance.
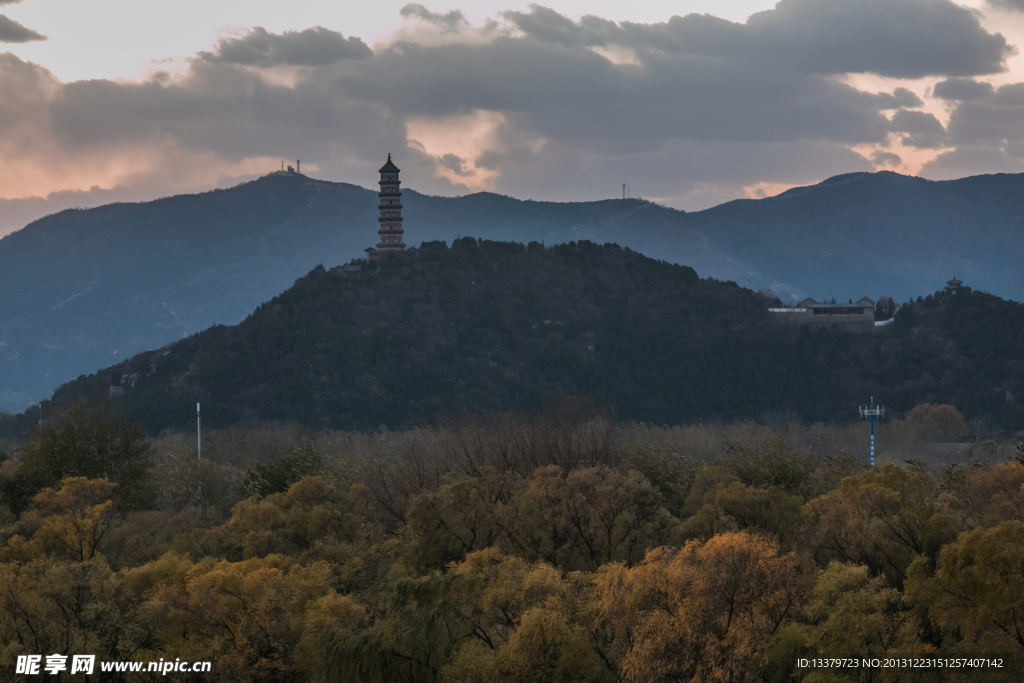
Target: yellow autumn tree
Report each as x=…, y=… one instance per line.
x=491, y=617
x=310, y=512
x=536, y=619
x=702, y=612
x=68, y=521
x=849, y=613
x=249, y=616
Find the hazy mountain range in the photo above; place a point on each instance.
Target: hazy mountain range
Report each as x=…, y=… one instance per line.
x=82, y=289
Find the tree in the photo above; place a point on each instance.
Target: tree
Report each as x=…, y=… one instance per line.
x=248, y=616
x=771, y=511
x=588, y=518
x=576, y=521
x=491, y=617
x=882, y=519
x=69, y=521
x=702, y=612
x=997, y=493
x=95, y=444
x=670, y=473
x=977, y=594
x=942, y=423
x=310, y=512
x=851, y=614
x=70, y=607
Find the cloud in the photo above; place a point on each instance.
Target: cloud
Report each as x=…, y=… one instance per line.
x=313, y=47
x=455, y=164
x=899, y=98
x=906, y=98
x=963, y=89
x=895, y=38
x=452, y=22
x=13, y=32
x=996, y=119
x=965, y=161
x=923, y=130
x=691, y=111
x=986, y=127
x=881, y=158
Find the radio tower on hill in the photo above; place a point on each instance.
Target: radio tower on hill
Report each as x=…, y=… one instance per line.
x=390, y=228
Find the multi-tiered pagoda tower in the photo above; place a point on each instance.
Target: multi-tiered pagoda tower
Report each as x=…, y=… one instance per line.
x=390, y=228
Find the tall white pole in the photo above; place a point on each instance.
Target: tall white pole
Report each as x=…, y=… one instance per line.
x=199, y=434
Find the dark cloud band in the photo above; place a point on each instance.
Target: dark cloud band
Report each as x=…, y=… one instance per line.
x=13, y=32
x=896, y=38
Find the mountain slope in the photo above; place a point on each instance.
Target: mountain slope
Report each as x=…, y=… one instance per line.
x=82, y=289
x=880, y=233
x=496, y=325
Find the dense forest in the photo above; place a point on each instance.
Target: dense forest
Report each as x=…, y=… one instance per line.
x=560, y=546
x=481, y=326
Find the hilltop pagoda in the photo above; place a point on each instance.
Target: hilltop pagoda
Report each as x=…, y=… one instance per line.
x=390, y=221
x=953, y=286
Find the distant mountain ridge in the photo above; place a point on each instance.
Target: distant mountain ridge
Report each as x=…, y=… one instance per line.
x=83, y=288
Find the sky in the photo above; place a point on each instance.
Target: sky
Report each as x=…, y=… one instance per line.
x=689, y=103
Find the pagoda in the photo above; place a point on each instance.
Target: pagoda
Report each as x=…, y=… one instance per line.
x=953, y=286
x=390, y=221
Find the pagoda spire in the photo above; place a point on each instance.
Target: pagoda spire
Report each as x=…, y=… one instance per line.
x=390, y=220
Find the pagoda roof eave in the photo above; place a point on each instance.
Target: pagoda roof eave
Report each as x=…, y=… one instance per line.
x=389, y=167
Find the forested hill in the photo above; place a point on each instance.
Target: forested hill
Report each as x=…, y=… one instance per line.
x=497, y=325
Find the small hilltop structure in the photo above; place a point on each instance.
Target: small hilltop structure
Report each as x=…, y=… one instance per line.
x=389, y=224
x=854, y=315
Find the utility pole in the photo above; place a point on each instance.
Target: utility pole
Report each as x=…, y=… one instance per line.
x=872, y=412
x=199, y=435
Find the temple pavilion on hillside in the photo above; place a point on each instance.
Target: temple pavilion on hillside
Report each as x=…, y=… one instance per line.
x=390, y=221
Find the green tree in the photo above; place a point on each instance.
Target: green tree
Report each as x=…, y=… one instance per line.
x=92, y=443
x=976, y=596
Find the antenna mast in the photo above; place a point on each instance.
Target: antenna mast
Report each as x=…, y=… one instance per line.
x=872, y=412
